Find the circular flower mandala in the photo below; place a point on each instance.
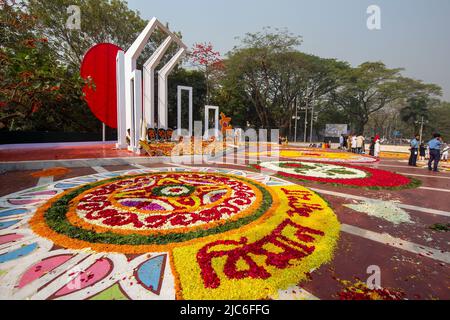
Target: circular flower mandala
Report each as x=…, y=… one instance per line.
x=169, y=207
x=346, y=175
x=316, y=155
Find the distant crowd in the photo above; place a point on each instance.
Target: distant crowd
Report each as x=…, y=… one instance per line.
x=434, y=151
x=357, y=144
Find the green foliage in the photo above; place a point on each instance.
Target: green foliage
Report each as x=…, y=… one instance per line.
x=40, y=86
x=366, y=89
x=416, y=109
x=36, y=92
x=269, y=73
x=439, y=121
x=441, y=227
x=191, y=78
x=260, y=82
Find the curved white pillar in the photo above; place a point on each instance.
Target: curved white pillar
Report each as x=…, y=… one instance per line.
x=130, y=104
x=149, y=82
x=162, y=88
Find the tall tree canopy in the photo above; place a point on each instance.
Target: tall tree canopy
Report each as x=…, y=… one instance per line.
x=101, y=21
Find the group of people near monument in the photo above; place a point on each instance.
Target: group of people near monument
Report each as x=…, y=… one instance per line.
x=435, y=151
x=356, y=143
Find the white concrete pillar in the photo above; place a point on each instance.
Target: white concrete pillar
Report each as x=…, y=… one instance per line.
x=121, y=113
x=179, y=92
x=216, y=121
x=149, y=82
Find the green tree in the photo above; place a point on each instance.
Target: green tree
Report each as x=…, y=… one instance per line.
x=34, y=87
x=265, y=68
x=439, y=121
x=365, y=90
x=370, y=87
x=101, y=21
x=267, y=77
x=191, y=78
x=417, y=109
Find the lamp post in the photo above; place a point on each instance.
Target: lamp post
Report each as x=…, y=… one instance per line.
x=306, y=123
x=422, y=122
x=421, y=130
x=296, y=117
x=312, y=119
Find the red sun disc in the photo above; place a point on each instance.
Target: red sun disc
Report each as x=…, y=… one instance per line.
x=99, y=63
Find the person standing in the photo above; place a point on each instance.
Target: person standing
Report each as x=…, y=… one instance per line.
x=354, y=144
x=372, y=147
x=341, y=142
x=445, y=149
x=414, y=148
x=377, y=148
x=359, y=143
x=435, y=152
x=422, y=151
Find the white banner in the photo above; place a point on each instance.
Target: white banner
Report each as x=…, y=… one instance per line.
x=335, y=130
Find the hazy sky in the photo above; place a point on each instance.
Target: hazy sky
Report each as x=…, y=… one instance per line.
x=415, y=34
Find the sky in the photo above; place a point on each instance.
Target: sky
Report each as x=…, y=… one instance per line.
x=414, y=34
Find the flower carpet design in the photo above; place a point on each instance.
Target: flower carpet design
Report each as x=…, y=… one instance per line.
x=163, y=233
x=315, y=155
x=342, y=174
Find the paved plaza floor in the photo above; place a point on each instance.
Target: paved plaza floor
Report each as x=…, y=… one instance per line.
x=399, y=232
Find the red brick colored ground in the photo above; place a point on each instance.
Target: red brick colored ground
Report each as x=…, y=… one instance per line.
x=419, y=277
x=64, y=152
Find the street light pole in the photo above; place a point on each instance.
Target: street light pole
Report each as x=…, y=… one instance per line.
x=296, y=120
x=306, y=123
x=421, y=130
x=312, y=119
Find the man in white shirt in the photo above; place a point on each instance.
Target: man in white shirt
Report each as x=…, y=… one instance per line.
x=354, y=144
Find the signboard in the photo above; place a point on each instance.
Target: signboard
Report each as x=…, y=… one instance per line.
x=335, y=130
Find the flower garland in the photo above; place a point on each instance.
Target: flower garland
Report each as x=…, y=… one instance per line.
x=373, y=179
